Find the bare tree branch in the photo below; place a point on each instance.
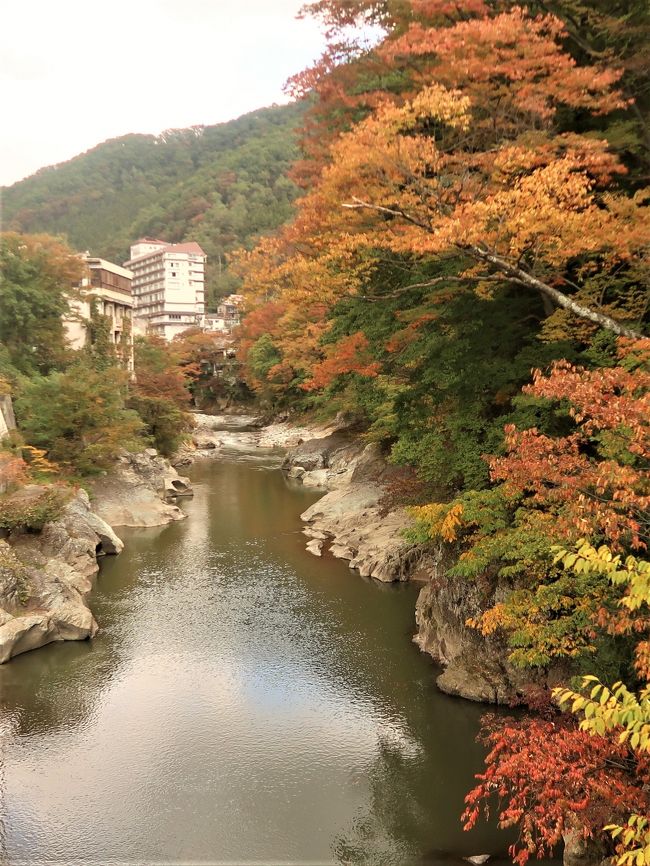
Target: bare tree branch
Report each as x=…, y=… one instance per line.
x=518, y=275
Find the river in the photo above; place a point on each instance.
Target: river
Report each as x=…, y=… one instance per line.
x=245, y=702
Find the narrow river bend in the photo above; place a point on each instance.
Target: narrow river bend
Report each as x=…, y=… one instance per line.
x=244, y=702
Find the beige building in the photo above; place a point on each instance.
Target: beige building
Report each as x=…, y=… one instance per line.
x=108, y=287
x=168, y=285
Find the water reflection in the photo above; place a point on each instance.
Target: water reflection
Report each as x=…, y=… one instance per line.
x=244, y=701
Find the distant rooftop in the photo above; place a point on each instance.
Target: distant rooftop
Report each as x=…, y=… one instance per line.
x=189, y=247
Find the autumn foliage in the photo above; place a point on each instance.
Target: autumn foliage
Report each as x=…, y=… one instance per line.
x=550, y=778
x=595, y=479
x=468, y=271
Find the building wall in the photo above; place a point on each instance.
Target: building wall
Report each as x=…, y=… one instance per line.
x=108, y=286
x=168, y=286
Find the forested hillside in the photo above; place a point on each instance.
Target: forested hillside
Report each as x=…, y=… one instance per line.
x=221, y=185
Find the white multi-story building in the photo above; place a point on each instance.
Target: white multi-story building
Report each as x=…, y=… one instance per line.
x=168, y=285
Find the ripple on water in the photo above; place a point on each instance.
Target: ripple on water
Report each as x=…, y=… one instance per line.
x=244, y=701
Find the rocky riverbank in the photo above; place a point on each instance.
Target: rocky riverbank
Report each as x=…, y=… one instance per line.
x=349, y=522
x=141, y=491
x=46, y=576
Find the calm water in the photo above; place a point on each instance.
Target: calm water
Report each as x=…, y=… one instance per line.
x=245, y=702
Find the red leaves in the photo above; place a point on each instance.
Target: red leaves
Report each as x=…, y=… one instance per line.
x=595, y=478
x=550, y=777
x=349, y=355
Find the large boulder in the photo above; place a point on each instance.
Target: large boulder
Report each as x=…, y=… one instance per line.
x=45, y=578
x=140, y=491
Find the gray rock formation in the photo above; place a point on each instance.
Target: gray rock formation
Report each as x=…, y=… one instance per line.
x=45, y=579
x=476, y=667
x=348, y=521
x=140, y=491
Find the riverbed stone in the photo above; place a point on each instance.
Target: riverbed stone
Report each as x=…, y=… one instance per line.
x=136, y=491
x=315, y=546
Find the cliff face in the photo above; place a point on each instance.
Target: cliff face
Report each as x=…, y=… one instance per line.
x=476, y=667
x=45, y=579
x=349, y=523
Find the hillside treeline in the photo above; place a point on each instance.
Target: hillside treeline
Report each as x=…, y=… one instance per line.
x=221, y=185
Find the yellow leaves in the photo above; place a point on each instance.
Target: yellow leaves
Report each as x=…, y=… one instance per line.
x=442, y=521
x=616, y=708
x=438, y=103
x=606, y=710
x=634, y=841
x=632, y=572
x=37, y=461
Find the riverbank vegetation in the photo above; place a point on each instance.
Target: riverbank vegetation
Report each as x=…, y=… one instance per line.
x=77, y=410
x=467, y=274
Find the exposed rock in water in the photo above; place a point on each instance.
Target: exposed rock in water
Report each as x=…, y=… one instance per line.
x=476, y=666
x=349, y=516
x=140, y=491
x=45, y=578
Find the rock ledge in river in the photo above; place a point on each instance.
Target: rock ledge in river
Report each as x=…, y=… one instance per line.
x=138, y=490
x=349, y=516
x=45, y=578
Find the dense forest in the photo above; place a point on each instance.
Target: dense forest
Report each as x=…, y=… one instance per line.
x=221, y=185
x=467, y=276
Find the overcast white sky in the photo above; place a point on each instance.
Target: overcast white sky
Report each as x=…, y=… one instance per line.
x=74, y=73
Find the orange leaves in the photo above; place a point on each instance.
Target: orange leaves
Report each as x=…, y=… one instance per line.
x=349, y=355
x=511, y=56
x=594, y=479
x=13, y=471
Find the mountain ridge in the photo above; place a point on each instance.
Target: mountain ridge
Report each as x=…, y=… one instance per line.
x=222, y=185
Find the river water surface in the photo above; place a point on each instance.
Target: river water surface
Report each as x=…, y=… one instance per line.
x=245, y=702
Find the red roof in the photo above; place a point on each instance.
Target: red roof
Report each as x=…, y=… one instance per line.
x=190, y=247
